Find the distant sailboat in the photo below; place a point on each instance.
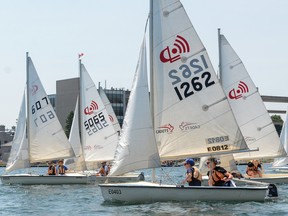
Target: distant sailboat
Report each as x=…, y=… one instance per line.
x=279, y=163
x=190, y=114
x=99, y=129
x=249, y=110
x=39, y=137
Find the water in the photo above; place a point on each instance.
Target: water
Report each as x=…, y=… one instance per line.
x=87, y=200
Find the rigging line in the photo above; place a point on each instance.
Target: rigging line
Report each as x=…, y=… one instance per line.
x=167, y=175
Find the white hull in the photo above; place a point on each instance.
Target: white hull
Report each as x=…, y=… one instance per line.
x=265, y=180
x=271, y=178
x=152, y=192
x=280, y=169
x=71, y=178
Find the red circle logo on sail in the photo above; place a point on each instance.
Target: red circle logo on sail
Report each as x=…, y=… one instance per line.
x=34, y=89
x=172, y=54
x=237, y=93
x=111, y=118
x=90, y=109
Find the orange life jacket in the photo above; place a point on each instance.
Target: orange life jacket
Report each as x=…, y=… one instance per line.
x=216, y=176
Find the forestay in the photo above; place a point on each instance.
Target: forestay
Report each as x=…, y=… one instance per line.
x=77, y=163
x=47, y=140
x=284, y=142
x=192, y=116
x=137, y=147
x=99, y=139
x=248, y=107
x=19, y=155
x=112, y=117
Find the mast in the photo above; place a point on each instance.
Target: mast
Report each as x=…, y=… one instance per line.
x=151, y=73
x=151, y=60
x=79, y=110
x=28, y=103
x=219, y=50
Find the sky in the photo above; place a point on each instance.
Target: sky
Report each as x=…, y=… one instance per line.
x=110, y=32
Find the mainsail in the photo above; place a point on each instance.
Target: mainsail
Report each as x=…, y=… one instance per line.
x=284, y=142
x=137, y=147
x=19, y=155
x=248, y=108
x=99, y=139
x=46, y=138
x=112, y=117
x=192, y=116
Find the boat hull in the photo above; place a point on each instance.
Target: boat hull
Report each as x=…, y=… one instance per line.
x=151, y=192
x=28, y=179
x=271, y=178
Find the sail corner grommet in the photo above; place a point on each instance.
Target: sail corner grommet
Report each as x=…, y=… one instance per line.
x=184, y=59
x=205, y=107
x=166, y=13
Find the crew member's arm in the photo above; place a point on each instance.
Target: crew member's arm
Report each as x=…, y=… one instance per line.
x=228, y=177
x=188, y=177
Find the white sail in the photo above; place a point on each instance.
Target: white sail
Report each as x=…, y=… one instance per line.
x=77, y=163
x=99, y=139
x=248, y=108
x=19, y=155
x=192, y=116
x=112, y=117
x=47, y=140
x=137, y=147
x=284, y=142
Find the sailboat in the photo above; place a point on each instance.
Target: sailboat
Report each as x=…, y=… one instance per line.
x=95, y=138
x=249, y=110
x=280, y=164
x=39, y=137
x=191, y=116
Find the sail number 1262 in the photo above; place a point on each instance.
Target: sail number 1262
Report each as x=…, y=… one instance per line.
x=196, y=78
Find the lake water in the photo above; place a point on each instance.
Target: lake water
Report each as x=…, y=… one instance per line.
x=87, y=200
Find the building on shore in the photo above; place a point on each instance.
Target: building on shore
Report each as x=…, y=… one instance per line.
x=6, y=136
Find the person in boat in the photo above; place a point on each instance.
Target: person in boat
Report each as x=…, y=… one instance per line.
x=193, y=175
x=61, y=168
x=254, y=169
x=51, y=168
x=104, y=170
x=218, y=176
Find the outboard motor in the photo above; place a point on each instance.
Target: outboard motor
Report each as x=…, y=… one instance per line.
x=272, y=190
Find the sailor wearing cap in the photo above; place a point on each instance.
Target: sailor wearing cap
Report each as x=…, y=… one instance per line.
x=193, y=176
